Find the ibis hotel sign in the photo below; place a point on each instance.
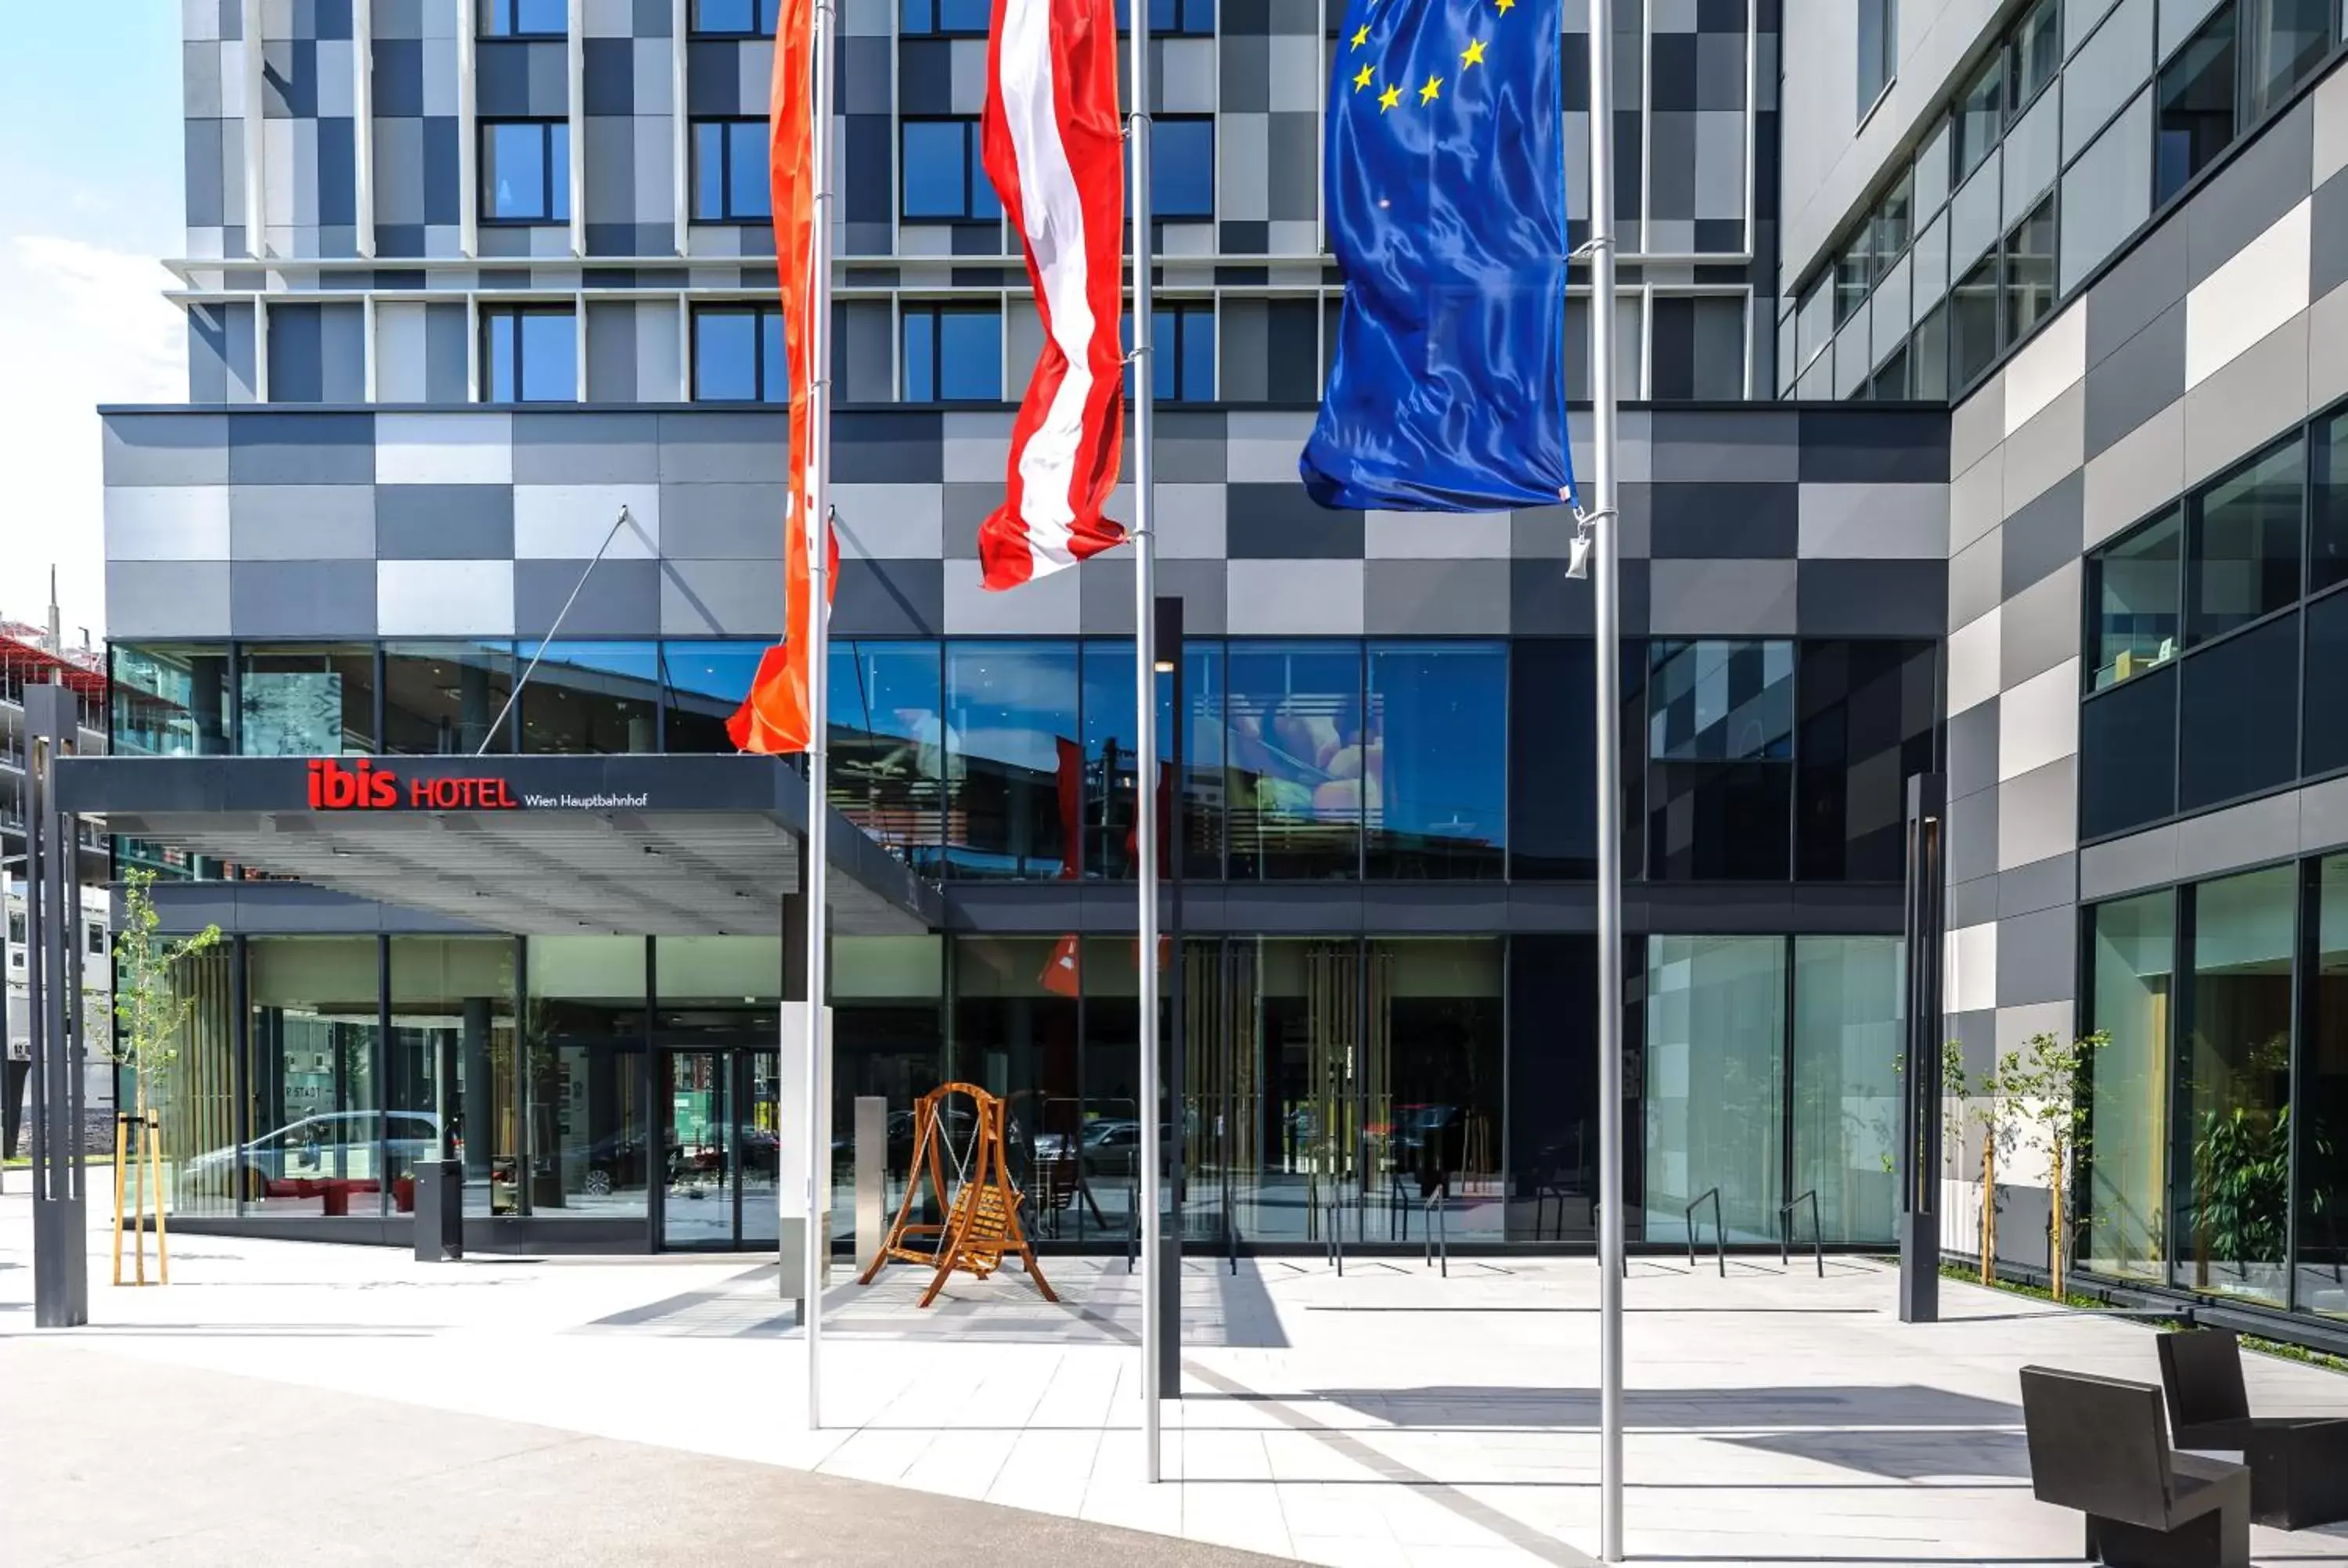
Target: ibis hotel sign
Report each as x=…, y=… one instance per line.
x=365, y=786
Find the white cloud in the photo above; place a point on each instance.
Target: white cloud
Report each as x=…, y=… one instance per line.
x=83, y=324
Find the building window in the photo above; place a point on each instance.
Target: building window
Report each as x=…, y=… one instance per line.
x=1181, y=352
x=738, y=355
x=525, y=18
x=1715, y=1081
x=889, y=746
x=945, y=18
x=1696, y=346
x=736, y=18
x=2195, y=106
x=1194, y=17
x=1844, y=1083
x=1980, y=116
x=593, y=699
x=530, y=353
x=1297, y=760
x=305, y=701
x=1182, y=167
x=702, y=682
x=1972, y=325
x=953, y=353
x=1014, y=759
x=1878, y=49
x=525, y=171
x=2284, y=41
x=1867, y=721
x=2131, y=977
x=171, y=700
x=2131, y=597
x=447, y=699
x=2127, y=755
x=2243, y=561
x=2037, y=55
x=1435, y=760
x=2238, y=716
x=94, y=938
x=1720, y=743
x=729, y=172
x=2030, y=272
x=2231, y=1065
x=945, y=173
x=312, y=1097
x=2322, y=1195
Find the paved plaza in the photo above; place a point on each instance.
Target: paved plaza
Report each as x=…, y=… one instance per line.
x=1391, y=1417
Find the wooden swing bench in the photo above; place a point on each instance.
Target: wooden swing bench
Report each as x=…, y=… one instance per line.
x=982, y=1224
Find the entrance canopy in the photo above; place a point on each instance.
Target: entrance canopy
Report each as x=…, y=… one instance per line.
x=664, y=845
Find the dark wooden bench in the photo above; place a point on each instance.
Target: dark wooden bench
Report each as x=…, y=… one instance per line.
x=2299, y=1465
x=2099, y=1445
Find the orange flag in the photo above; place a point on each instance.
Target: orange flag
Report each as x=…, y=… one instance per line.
x=774, y=718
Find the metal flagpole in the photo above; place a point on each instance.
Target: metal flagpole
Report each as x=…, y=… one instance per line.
x=1607, y=628
x=815, y=498
x=1145, y=686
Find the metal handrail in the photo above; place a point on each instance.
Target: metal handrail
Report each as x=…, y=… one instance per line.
x=1436, y=1232
x=1719, y=1231
x=1785, y=1231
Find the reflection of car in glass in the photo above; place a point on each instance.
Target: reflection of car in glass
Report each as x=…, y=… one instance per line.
x=338, y=1147
x=616, y=1161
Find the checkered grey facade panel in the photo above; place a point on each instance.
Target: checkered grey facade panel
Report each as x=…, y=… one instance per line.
x=2221, y=330
x=280, y=522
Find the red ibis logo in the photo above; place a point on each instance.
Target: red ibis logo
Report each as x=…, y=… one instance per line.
x=365, y=786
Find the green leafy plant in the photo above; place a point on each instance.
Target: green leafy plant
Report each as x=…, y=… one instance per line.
x=2045, y=1084
x=2242, y=1180
x=149, y=1013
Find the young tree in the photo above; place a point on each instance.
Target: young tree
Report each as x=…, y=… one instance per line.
x=2046, y=1086
x=149, y=1013
x=1990, y=1107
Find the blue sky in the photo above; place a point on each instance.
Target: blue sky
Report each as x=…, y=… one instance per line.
x=90, y=169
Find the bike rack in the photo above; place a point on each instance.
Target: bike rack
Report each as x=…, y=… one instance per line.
x=1719, y=1231
x=1785, y=1231
x=1436, y=1232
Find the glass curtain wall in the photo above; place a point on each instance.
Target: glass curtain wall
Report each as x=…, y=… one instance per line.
x=1845, y=1084
x=888, y=1040
x=1435, y=765
x=1015, y=1035
x=890, y=761
x=2322, y=1253
x=591, y=699
x=170, y=702
x=587, y=1142
x=313, y=1110
x=2230, y=1161
x=703, y=683
x=443, y=699
x=1297, y=760
x=2132, y=977
x=195, y=1096
x=1715, y=1016
x=294, y=702
x=1109, y=1105
x=1015, y=759
x=1435, y=1105
x=450, y=1059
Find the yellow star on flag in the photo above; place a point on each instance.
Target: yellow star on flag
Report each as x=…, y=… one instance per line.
x=1432, y=91
x=1361, y=78
x=1504, y=5
x=1361, y=35
x=1474, y=54
x=1388, y=98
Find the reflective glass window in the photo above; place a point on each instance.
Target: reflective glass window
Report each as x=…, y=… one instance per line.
x=449, y=1060
x=1719, y=822
x=2195, y=106
x=888, y=1038
x=1928, y=357
x=530, y=353
x=945, y=172
x=2029, y=273
x=170, y=699
x=1972, y=325
x=2243, y=561
x=737, y=18
x=1110, y=760
x=889, y=757
x=1854, y=272
x=2132, y=588
x=1181, y=351
x=2107, y=194
x=2037, y=51
x=2240, y=716
x=953, y=353
x=1189, y=16
x=313, y=1111
x=2132, y=1000
x=729, y=171
x=1015, y=759
x=1182, y=167
x=1932, y=171
x=2328, y=530
x=2283, y=40
x=1716, y=1083
x=525, y=171
x=1720, y=731
x=1845, y=1084
x=1014, y=1031
x=1893, y=223
x=1867, y=721
x=1436, y=764
x=585, y=1147
x=444, y=698
x=2229, y=1165
x=2326, y=704
x=525, y=18
x=1975, y=221
x=2116, y=63
x=2321, y=1284
x=945, y=18
x=305, y=701
x=1697, y=347
x=1890, y=382
x=197, y=1103
x=1435, y=1111
x=1813, y=322
x=2028, y=162
x=1929, y=268
x=592, y=698
x=738, y=355
x=1715, y=700
x=1297, y=758
x=2127, y=755
x=1878, y=49
x=702, y=685
x=1553, y=809
x=1980, y=115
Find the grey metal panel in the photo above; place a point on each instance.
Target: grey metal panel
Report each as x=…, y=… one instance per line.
x=2146, y=859
x=2136, y=380
x=2260, y=183
x=1973, y=837
x=585, y=448
x=890, y=599
x=301, y=522
x=444, y=522
x=1281, y=521
x=1707, y=445
x=1971, y=742
x=272, y=447
x=722, y=598
x=617, y=599
x=2148, y=279
x=2048, y=884
x=716, y=522
x=2044, y=535
x=165, y=448
x=2040, y=626
x=2239, y=836
x=167, y=598
x=1872, y=597
x=1723, y=598
x=302, y=599
x=1726, y=520
x=1435, y=598
x=2038, y=956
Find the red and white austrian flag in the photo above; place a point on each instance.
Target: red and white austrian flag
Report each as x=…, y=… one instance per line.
x=1056, y=157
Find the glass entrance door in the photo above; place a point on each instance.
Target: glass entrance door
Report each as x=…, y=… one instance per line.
x=719, y=1148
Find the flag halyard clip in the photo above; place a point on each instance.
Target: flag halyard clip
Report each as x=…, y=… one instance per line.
x=1585, y=536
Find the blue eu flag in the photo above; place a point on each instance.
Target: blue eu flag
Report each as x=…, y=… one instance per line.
x=1446, y=170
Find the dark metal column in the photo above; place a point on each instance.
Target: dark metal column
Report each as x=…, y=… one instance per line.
x=60, y=1221
x=1166, y=648
x=1919, y=1118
